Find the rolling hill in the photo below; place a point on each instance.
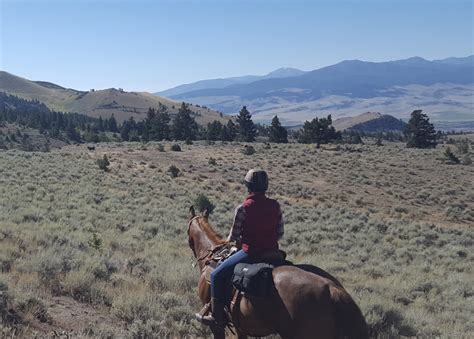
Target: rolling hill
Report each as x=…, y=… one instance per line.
x=370, y=122
x=442, y=88
x=97, y=103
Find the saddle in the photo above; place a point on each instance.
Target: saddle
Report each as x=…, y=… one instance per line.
x=253, y=282
x=274, y=258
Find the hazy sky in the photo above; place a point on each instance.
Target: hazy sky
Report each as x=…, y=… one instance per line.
x=154, y=45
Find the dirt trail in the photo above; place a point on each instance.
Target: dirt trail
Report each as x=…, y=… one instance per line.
x=69, y=318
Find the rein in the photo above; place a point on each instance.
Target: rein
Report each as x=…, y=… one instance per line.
x=206, y=253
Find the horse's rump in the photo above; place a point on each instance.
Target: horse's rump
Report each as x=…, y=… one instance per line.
x=301, y=305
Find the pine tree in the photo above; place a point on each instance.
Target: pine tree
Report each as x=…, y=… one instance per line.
x=277, y=132
x=100, y=124
x=71, y=133
x=184, y=125
x=231, y=131
x=318, y=131
x=161, y=126
x=246, y=130
x=214, y=130
x=420, y=132
x=112, y=124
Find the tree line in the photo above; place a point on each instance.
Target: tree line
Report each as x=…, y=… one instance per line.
x=160, y=125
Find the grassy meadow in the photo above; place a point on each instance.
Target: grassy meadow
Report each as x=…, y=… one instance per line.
x=87, y=252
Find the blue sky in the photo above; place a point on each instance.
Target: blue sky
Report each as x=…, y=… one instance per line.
x=154, y=45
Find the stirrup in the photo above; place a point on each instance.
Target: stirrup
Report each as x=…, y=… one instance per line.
x=204, y=316
x=206, y=319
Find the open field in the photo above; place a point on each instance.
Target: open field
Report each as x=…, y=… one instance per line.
x=96, y=253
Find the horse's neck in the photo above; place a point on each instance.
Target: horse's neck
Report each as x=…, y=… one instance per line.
x=205, y=241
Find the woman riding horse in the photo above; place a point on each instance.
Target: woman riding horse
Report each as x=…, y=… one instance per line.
x=305, y=302
x=258, y=225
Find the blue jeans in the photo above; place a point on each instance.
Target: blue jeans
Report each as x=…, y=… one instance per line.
x=222, y=274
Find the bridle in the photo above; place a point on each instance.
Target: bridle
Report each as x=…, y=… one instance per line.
x=206, y=253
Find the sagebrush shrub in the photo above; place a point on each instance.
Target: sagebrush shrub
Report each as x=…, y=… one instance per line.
x=103, y=163
x=176, y=148
x=248, y=150
x=450, y=156
x=174, y=171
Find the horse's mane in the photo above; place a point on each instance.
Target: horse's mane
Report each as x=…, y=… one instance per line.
x=212, y=235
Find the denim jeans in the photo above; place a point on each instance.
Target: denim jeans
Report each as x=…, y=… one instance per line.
x=223, y=273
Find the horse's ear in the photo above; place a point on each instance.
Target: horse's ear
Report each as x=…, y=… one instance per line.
x=192, y=212
x=205, y=214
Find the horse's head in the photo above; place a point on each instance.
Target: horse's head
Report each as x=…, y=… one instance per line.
x=194, y=227
x=201, y=236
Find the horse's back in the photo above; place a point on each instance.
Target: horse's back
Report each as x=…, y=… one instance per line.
x=302, y=304
x=299, y=298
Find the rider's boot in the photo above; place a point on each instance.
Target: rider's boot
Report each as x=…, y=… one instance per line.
x=216, y=318
x=203, y=313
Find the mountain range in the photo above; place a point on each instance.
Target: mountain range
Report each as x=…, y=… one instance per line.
x=95, y=103
x=225, y=82
x=442, y=88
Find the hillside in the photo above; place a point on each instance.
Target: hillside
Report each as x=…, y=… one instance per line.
x=95, y=103
x=442, y=88
x=370, y=122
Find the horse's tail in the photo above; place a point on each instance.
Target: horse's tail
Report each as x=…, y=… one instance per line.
x=350, y=322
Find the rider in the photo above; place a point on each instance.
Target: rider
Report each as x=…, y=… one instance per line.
x=258, y=225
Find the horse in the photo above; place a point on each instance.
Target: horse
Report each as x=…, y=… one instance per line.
x=305, y=302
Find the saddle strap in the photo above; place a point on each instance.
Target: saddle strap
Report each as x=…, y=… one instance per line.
x=235, y=302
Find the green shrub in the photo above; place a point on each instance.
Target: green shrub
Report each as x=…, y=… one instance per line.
x=387, y=322
x=203, y=203
x=248, y=150
x=103, y=163
x=174, y=171
x=80, y=286
x=4, y=300
x=35, y=307
x=95, y=242
x=451, y=158
x=176, y=148
x=212, y=161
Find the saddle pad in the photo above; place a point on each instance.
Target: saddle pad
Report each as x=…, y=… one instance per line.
x=253, y=279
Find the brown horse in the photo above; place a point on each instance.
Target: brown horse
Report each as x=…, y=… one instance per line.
x=306, y=302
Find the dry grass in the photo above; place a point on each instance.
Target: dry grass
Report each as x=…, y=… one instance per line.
x=394, y=224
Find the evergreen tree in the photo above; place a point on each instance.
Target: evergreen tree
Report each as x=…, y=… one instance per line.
x=277, y=132
x=214, y=130
x=112, y=124
x=161, y=124
x=419, y=132
x=184, y=126
x=100, y=124
x=246, y=130
x=72, y=134
x=318, y=131
x=130, y=130
x=229, y=132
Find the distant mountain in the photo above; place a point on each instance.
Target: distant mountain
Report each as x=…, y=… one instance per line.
x=222, y=83
x=96, y=103
x=370, y=122
x=443, y=88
